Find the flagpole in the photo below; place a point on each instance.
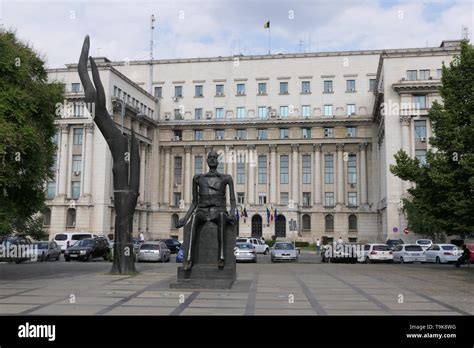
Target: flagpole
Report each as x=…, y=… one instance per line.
x=269, y=29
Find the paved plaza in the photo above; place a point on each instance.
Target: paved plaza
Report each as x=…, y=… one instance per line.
x=305, y=288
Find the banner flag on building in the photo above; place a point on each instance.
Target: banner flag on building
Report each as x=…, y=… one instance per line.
x=245, y=213
x=268, y=216
x=237, y=214
x=275, y=213
x=271, y=214
x=266, y=25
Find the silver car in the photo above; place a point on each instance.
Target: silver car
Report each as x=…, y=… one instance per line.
x=284, y=251
x=245, y=252
x=154, y=251
x=48, y=250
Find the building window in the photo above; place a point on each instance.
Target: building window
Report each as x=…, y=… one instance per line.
x=328, y=169
x=78, y=109
x=411, y=75
x=240, y=197
x=350, y=86
x=351, y=110
x=372, y=85
x=305, y=87
x=198, y=91
x=327, y=110
x=352, y=199
x=178, y=115
x=262, y=112
x=306, y=159
x=51, y=189
x=284, y=133
x=283, y=87
x=176, y=198
x=220, y=163
x=352, y=223
x=198, y=134
x=219, y=134
x=178, y=91
x=262, y=134
x=198, y=165
x=262, y=88
x=219, y=112
x=75, y=87
x=419, y=101
x=178, y=170
x=198, y=114
x=71, y=217
x=262, y=169
x=329, y=132
x=75, y=189
x=329, y=199
x=306, y=132
x=241, y=134
x=219, y=90
x=424, y=75
x=241, y=89
x=421, y=156
x=77, y=136
x=329, y=223
x=328, y=86
x=240, y=112
x=420, y=129
x=284, y=169
x=76, y=163
x=262, y=198
x=306, y=199
x=158, y=92
x=284, y=111
x=174, y=220
x=306, y=222
x=306, y=110
x=352, y=169
x=351, y=132
x=439, y=73
x=241, y=171
x=47, y=217
x=284, y=198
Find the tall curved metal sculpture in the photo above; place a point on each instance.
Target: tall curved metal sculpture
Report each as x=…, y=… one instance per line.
x=126, y=163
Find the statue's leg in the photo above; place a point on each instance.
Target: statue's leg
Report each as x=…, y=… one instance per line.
x=220, y=238
x=189, y=263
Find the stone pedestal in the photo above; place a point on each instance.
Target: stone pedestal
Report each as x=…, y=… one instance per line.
x=205, y=273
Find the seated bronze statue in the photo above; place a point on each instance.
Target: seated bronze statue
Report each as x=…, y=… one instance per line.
x=209, y=204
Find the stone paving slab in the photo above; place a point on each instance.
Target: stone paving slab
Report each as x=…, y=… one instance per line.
x=154, y=302
x=30, y=299
x=213, y=303
x=214, y=311
x=15, y=308
x=138, y=310
x=69, y=309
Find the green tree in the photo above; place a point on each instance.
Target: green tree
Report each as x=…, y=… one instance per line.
x=27, y=114
x=443, y=199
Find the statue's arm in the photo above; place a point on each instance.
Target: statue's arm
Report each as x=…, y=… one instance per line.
x=183, y=221
x=233, y=206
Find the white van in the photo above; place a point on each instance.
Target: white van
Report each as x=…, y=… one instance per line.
x=67, y=239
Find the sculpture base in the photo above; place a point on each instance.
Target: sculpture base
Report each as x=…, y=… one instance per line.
x=205, y=277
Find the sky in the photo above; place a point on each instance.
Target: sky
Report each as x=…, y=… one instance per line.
x=120, y=30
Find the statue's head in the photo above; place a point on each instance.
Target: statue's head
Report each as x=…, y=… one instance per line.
x=212, y=159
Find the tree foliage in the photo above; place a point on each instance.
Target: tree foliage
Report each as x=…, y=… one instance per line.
x=443, y=198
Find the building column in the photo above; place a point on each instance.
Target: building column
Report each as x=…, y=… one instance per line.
x=340, y=174
x=295, y=176
x=155, y=175
x=273, y=175
x=405, y=122
x=229, y=161
x=363, y=173
x=251, y=175
x=142, y=172
x=63, y=160
x=166, y=183
x=317, y=174
x=187, y=175
x=89, y=128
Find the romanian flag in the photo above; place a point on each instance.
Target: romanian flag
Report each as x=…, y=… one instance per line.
x=237, y=214
x=275, y=213
x=245, y=212
x=268, y=216
x=266, y=25
x=271, y=214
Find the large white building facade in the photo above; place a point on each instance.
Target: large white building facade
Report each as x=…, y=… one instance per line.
x=308, y=139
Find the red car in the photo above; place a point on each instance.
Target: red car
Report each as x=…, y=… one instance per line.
x=471, y=249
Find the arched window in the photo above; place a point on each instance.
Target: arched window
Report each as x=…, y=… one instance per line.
x=306, y=222
x=47, y=217
x=174, y=220
x=71, y=218
x=329, y=223
x=353, y=222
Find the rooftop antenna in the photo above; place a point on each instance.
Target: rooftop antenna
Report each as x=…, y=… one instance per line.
x=465, y=33
x=301, y=45
x=150, y=78
x=309, y=42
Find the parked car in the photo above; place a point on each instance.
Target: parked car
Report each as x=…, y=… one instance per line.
x=68, y=239
x=87, y=249
x=180, y=255
x=284, y=251
x=376, y=253
x=17, y=248
x=404, y=253
x=442, y=253
x=154, y=251
x=471, y=249
x=424, y=243
x=137, y=243
x=172, y=244
x=245, y=252
x=260, y=246
x=392, y=243
x=48, y=250
x=344, y=253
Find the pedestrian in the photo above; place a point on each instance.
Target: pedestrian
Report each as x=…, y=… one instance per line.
x=318, y=245
x=141, y=237
x=464, y=257
x=340, y=241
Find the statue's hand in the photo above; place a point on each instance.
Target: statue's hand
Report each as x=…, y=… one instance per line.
x=181, y=223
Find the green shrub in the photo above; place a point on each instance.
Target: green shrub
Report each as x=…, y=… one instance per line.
x=300, y=244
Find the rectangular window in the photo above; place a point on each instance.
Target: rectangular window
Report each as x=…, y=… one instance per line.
x=352, y=169
x=51, y=189
x=306, y=110
x=306, y=159
x=78, y=109
x=351, y=110
x=241, y=134
x=352, y=199
x=284, y=133
x=178, y=91
x=241, y=89
x=284, y=111
x=76, y=163
x=219, y=134
x=328, y=169
x=220, y=165
x=262, y=88
x=178, y=170
x=176, y=198
x=198, y=165
x=158, y=92
x=198, y=91
x=439, y=73
x=75, y=87
x=420, y=129
x=327, y=110
x=412, y=75
x=178, y=134
x=306, y=132
x=240, y=197
x=262, y=169
x=177, y=114
x=329, y=199
x=283, y=87
x=329, y=132
x=262, y=134
x=198, y=114
x=419, y=101
x=241, y=170
x=240, y=112
x=424, y=75
x=351, y=132
x=262, y=112
x=284, y=169
x=75, y=189
x=198, y=135
x=219, y=90
x=284, y=198
x=305, y=87
x=77, y=136
x=372, y=85
x=328, y=86
x=219, y=112
x=421, y=156
x=306, y=199
x=350, y=86
x=262, y=198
